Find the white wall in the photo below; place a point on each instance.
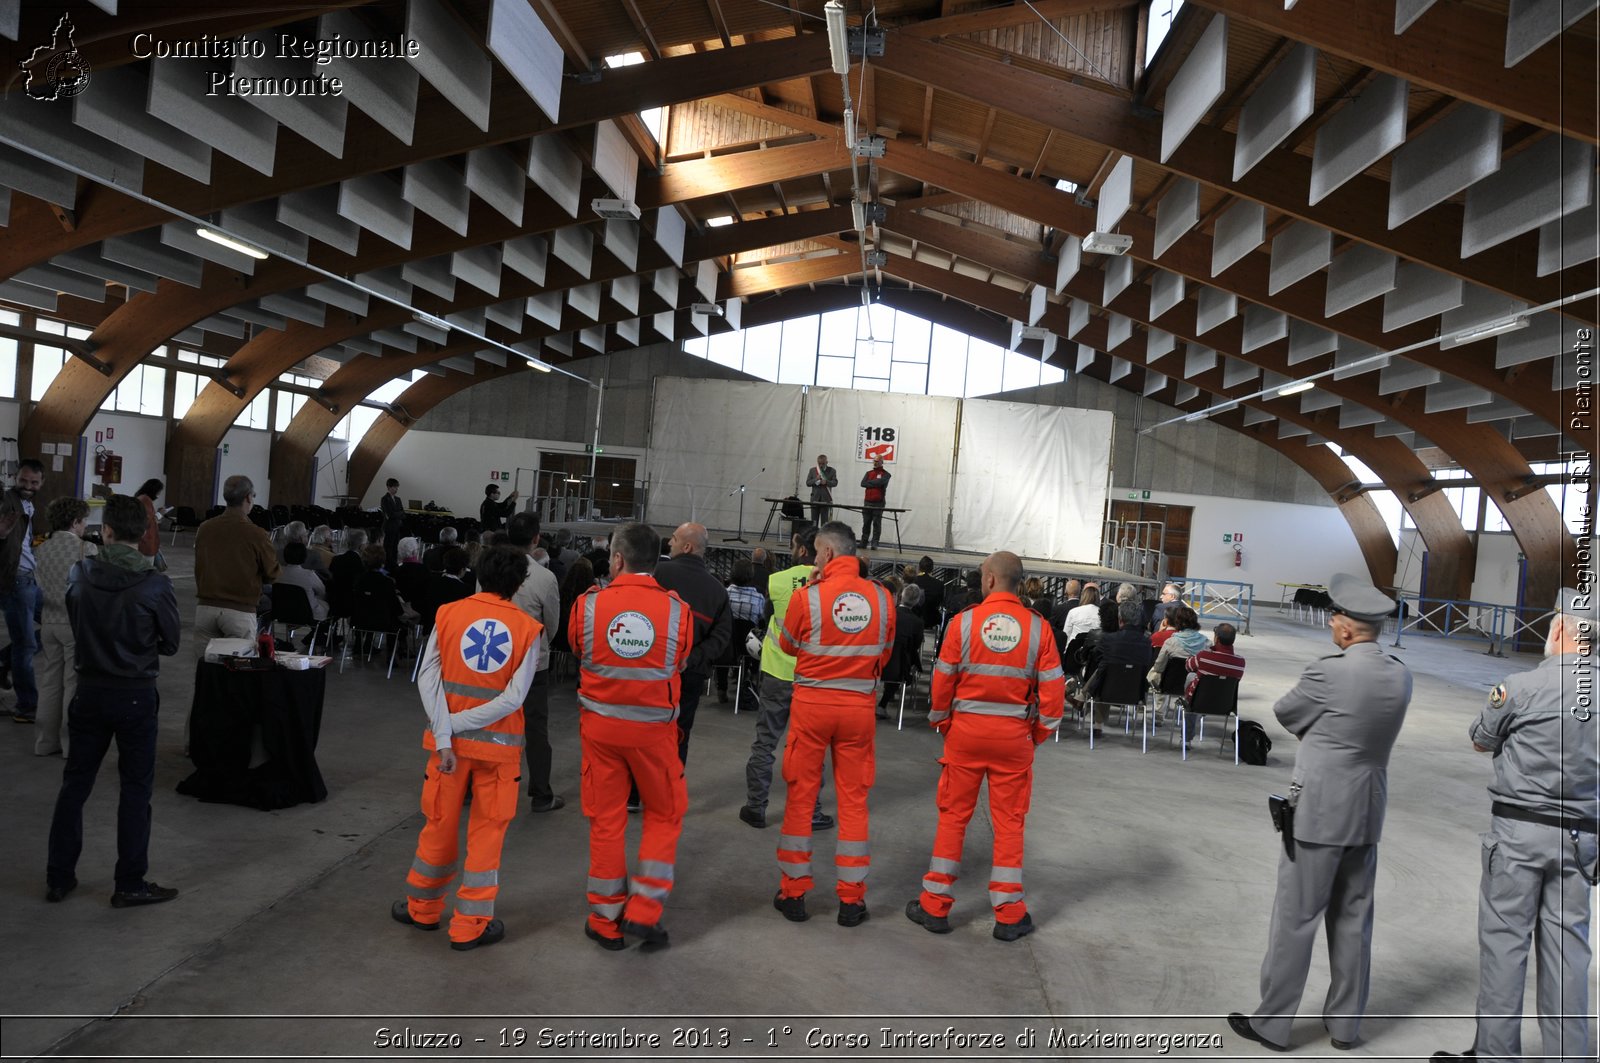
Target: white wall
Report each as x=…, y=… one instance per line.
x=452, y=468
x=141, y=443
x=248, y=452
x=1498, y=572
x=1283, y=542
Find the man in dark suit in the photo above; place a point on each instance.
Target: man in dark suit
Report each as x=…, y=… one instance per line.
x=433, y=557
x=932, y=592
x=394, y=521
x=1347, y=711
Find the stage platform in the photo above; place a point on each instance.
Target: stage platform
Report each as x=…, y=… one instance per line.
x=948, y=564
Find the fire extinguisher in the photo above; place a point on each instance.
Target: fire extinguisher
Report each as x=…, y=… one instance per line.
x=107, y=466
x=1238, y=557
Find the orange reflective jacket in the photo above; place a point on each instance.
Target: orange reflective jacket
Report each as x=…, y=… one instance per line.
x=481, y=641
x=1000, y=660
x=840, y=630
x=632, y=640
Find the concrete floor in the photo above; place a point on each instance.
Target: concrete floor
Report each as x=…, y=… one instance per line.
x=1151, y=881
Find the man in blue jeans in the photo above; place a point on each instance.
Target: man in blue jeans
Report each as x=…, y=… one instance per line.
x=124, y=618
x=19, y=594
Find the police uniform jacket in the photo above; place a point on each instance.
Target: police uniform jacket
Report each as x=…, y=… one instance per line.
x=1347, y=710
x=1540, y=725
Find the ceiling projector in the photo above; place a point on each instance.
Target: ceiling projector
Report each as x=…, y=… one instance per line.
x=1098, y=243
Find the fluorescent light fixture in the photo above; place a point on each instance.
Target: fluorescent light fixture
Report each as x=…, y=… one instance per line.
x=534, y=363
x=717, y=223
x=858, y=215
x=572, y=480
x=850, y=129
x=229, y=242
x=838, y=48
x=1489, y=328
x=1199, y=415
x=428, y=319
x=1295, y=388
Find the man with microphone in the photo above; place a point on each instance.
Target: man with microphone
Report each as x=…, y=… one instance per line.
x=822, y=479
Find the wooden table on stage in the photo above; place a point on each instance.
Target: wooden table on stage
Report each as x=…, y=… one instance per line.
x=774, y=507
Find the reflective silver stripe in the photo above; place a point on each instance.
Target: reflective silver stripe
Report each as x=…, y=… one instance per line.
x=938, y=715
x=644, y=713
x=865, y=686
x=655, y=893
x=607, y=887
x=486, y=693
x=432, y=870
x=588, y=628
x=796, y=868
x=997, y=897
x=935, y=886
x=675, y=611
x=609, y=910
x=943, y=866
x=426, y=893
x=469, y=907
x=820, y=650
x=883, y=618
x=851, y=873
x=814, y=600
x=1050, y=674
x=966, y=636
x=480, y=878
x=799, y=843
x=944, y=668
x=1003, y=671
x=497, y=738
x=1034, y=625
x=1050, y=722
x=1005, y=874
x=655, y=869
x=991, y=708
x=623, y=671
x=853, y=848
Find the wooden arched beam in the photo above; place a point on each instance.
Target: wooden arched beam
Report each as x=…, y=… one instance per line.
x=1366, y=524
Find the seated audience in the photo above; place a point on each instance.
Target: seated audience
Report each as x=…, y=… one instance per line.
x=411, y=576
x=446, y=585
x=377, y=604
x=932, y=592
x=1162, y=634
x=1186, y=639
x=1169, y=598
x=1083, y=618
x=319, y=551
x=1218, y=659
x=748, y=607
x=344, y=571
x=293, y=573
x=580, y=577
x=1068, y=601
x=906, y=660
x=293, y=532
x=1125, y=645
x=433, y=559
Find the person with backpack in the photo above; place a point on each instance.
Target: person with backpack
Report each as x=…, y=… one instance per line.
x=1347, y=711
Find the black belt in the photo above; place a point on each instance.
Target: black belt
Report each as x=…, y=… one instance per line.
x=1585, y=826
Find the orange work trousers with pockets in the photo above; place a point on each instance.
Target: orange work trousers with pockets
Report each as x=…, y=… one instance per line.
x=813, y=731
x=978, y=748
x=618, y=754
x=494, y=804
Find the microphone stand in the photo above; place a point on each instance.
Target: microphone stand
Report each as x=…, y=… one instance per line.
x=738, y=537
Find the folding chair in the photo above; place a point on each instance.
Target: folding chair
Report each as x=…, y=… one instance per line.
x=371, y=617
x=1120, y=686
x=1169, y=691
x=184, y=518
x=291, y=607
x=1214, y=695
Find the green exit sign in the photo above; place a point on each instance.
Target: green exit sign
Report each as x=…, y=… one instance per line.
x=1138, y=495
x=590, y=448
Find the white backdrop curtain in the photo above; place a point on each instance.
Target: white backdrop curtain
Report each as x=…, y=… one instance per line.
x=1032, y=480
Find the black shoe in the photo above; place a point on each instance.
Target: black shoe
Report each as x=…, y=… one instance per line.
x=821, y=821
x=609, y=944
x=852, y=914
x=793, y=908
x=756, y=819
x=649, y=933
x=1468, y=1054
x=556, y=801
x=1012, y=931
x=147, y=893
x=57, y=894
x=1240, y=1024
x=936, y=924
x=495, y=931
x=1343, y=1046
x=18, y=716
x=401, y=912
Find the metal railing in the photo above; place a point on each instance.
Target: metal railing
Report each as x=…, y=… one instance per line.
x=1135, y=546
x=1220, y=599
x=1462, y=618
x=559, y=498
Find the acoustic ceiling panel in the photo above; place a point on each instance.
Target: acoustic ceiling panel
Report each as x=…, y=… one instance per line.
x=315, y=212
x=1198, y=84
x=527, y=255
x=374, y=202
x=257, y=224
x=1236, y=371
x=1354, y=358
x=1531, y=24
x=1479, y=307
x=622, y=240
x=670, y=232
x=1086, y=357
x=432, y=275
x=1198, y=359
x=318, y=117
x=1261, y=327
x=546, y=308
x=507, y=314
x=1177, y=213
x=1553, y=178
x=63, y=282
x=1307, y=341
x=494, y=177
x=1569, y=241
x=1069, y=259
x=1358, y=273
x=1419, y=292
x=574, y=245
x=479, y=267
x=1408, y=11
x=388, y=281
x=26, y=294
x=1452, y=394
x=1153, y=382
x=529, y=52
x=295, y=307
x=88, y=260
x=1213, y=306
x=1115, y=193
x=39, y=179
x=1278, y=106
x=72, y=146
x=1157, y=343
x=585, y=299
x=1118, y=331
x=452, y=61
x=438, y=190
x=114, y=109
x=1547, y=335
x=383, y=90
x=1118, y=275
x=1402, y=374
x=1077, y=316
x=1299, y=251
x=183, y=236
x=1239, y=230
x=1459, y=150
x=1166, y=292
x=145, y=252
x=625, y=290
x=343, y=296
x=1359, y=135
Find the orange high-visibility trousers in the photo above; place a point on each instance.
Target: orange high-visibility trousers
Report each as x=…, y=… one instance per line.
x=976, y=748
x=616, y=755
x=494, y=805
x=850, y=733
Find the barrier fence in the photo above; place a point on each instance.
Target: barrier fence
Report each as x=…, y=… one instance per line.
x=1220, y=599
x=1460, y=618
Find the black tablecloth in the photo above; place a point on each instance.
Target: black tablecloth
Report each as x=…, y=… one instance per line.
x=228, y=707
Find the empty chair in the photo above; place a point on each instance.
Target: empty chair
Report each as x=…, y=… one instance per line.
x=184, y=518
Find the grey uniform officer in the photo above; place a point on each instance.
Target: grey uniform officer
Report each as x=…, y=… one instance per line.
x=1346, y=710
x=1539, y=851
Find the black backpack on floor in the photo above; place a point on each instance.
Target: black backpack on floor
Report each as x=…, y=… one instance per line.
x=1254, y=745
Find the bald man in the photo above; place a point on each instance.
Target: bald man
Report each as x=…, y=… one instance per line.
x=685, y=572
x=998, y=691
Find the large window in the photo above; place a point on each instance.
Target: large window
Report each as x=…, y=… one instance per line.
x=47, y=361
x=8, y=357
x=254, y=415
x=143, y=390
x=186, y=386
x=289, y=402
x=874, y=349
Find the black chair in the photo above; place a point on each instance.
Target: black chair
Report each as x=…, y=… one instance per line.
x=1118, y=686
x=1214, y=695
x=1173, y=678
x=373, y=614
x=184, y=518
x=291, y=607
